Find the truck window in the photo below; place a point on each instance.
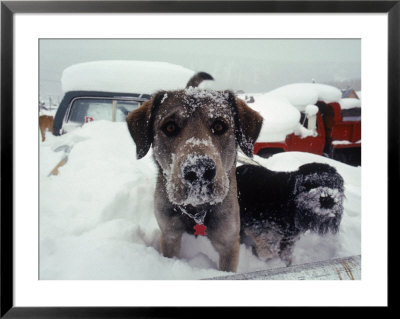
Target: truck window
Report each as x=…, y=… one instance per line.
x=352, y=115
x=303, y=119
x=87, y=109
x=305, y=122
x=123, y=109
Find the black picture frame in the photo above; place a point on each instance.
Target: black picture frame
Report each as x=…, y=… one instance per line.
x=9, y=8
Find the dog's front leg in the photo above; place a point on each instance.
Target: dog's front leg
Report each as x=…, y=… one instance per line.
x=169, y=222
x=227, y=246
x=224, y=231
x=171, y=244
x=286, y=249
x=229, y=257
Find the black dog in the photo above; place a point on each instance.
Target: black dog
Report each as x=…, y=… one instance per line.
x=277, y=207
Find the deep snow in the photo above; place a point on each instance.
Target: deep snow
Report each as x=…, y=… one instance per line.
x=97, y=221
x=280, y=117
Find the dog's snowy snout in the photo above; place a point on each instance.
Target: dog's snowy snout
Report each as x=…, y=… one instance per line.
x=327, y=202
x=199, y=170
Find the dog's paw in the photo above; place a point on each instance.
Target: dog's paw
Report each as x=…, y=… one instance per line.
x=286, y=249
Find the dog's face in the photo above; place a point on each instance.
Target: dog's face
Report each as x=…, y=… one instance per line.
x=195, y=134
x=194, y=144
x=319, y=195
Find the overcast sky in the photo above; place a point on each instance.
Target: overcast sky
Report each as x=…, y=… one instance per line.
x=258, y=65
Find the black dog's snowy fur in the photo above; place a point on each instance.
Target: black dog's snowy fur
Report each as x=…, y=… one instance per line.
x=276, y=207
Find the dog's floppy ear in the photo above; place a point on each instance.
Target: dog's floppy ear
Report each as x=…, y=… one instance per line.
x=247, y=124
x=140, y=124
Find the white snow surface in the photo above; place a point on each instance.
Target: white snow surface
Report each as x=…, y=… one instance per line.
x=280, y=117
x=97, y=220
x=349, y=103
x=125, y=76
x=311, y=110
x=48, y=112
x=303, y=94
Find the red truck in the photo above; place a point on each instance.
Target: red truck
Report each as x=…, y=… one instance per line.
x=338, y=135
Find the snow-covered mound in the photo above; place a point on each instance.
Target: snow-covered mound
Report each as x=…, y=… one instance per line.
x=97, y=220
x=349, y=103
x=48, y=112
x=302, y=94
x=280, y=117
x=125, y=76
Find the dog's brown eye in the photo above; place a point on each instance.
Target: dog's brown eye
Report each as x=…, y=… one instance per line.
x=219, y=127
x=170, y=128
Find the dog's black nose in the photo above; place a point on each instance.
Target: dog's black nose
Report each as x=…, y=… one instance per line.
x=200, y=170
x=327, y=202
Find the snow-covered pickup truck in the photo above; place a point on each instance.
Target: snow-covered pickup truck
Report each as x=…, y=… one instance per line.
x=309, y=117
x=109, y=90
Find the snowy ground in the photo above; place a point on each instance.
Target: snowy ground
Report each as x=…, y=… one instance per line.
x=97, y=222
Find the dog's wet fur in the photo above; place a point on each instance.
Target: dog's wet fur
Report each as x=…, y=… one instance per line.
x=195, y=135
x=277, y=207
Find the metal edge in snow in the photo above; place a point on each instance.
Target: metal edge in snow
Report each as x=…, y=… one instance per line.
x=348, y=268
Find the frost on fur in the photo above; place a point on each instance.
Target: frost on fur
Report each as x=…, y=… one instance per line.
x=319, y=201
x=202, y=190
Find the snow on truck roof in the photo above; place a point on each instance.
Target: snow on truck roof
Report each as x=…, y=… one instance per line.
x=281, y=108
x=125, y=76
x=349, y=103
x=280, y=117
x=303, y=94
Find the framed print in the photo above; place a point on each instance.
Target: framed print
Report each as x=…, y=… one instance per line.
x=188, y=151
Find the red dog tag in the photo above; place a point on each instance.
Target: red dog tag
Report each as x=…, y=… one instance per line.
x=200, y=229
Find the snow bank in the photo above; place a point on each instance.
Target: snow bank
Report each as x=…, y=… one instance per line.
x=48, y=112
x=125, y=76
x=97, y=220
x=349, y=103
x=280, y=117
x=303, y=94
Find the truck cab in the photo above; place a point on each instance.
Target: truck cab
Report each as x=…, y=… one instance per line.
x=109, y=90
x=80, y=107
x=335, y=123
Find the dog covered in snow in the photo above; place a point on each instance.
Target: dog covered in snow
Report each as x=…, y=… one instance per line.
x=277, y=207
x=195, y=135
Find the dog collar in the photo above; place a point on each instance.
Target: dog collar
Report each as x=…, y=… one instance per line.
x=198, y=217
